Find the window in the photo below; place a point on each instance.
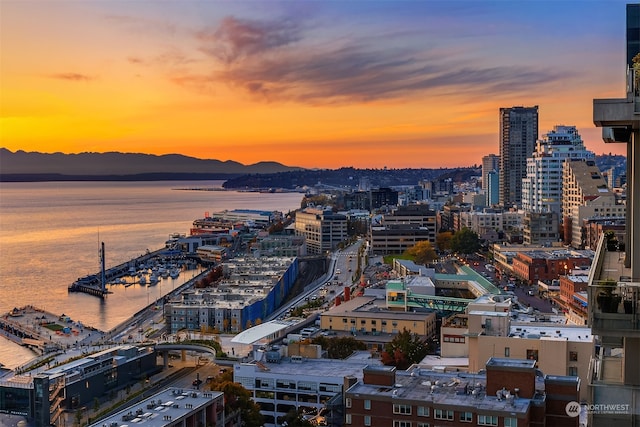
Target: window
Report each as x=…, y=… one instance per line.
x=487, y=420
x=532, y=354
x=367, y=420
x=573, y=371
x=510, y=422
x=573, y=356
x=466, y=417
x=367, y=404
x=347, y=402
x=507, y=351
x=423, y=411
x=440, y=414
x=397, y=423
x=402, y=409
x=347, y=418
x=423, y=424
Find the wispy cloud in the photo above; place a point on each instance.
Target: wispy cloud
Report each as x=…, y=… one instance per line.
x=236, y=40
x=273, y=60
x=73, y=77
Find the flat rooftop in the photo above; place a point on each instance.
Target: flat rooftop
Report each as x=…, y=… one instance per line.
x=162, y=409
x=460, y=390
x=569, y=333
x=308, y=368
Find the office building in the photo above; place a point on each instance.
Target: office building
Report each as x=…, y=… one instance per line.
x=45, y=396
x=518, y=135
x=490, y=163
x=322, y=229
x=280, y=383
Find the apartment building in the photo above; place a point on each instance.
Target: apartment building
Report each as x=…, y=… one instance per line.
x=513, y=392
x=322, y=229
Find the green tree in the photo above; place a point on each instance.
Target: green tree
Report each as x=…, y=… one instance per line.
x=443, y=241
x=465, y=241
x=405, y=349
x=238, y=399
x=422, y=252
x=339, y=347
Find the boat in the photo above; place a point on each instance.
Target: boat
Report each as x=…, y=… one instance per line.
x=153, y=279
x=143, y=280
x=174, y=273
x=165, y=274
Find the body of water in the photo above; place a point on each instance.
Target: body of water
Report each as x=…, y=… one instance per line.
x=50, y=235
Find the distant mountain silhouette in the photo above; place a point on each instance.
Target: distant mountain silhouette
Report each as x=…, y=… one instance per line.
x=35, y=166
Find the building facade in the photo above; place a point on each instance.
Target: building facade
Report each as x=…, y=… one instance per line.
x=518, y=135
x=542, y=187
x=322, y=229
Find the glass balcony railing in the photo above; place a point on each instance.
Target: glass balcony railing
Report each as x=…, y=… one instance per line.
x=614, y=307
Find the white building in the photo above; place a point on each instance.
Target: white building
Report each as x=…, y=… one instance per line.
x=285, y=383
x=542, y=187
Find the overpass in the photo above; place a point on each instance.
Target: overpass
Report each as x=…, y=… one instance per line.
x=165, y=348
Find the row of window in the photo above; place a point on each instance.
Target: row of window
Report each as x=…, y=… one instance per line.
x=438, y=414
x=467, y=417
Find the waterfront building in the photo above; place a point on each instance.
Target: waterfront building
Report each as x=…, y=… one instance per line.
x=279, y=245
x=322, y=229
x=512, y=392
x=249, y=290
x=172, y=407
x=280, y=383
x=518, y=135
x=44, y=396
x=614, y=287
x=585, y=196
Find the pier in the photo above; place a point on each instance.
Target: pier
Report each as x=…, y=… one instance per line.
x=95, y=284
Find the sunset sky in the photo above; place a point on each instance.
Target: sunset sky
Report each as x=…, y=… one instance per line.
x=318, y=83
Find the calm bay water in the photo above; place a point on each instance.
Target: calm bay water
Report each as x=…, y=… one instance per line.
x=50, y=235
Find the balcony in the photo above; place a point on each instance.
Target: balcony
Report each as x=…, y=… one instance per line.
x=614, y=308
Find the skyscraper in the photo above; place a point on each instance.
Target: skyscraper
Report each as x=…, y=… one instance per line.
x=490, y=163
x=518, y=135
x=542, y=188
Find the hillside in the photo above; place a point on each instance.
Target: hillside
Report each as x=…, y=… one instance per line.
x=34, y=166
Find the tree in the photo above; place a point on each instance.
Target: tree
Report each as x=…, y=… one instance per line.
x=405, y=349
x=294, y=419
x=465, y=241
x=339, y=347
x=238, y=399
x=422, y=252
x=443, y=241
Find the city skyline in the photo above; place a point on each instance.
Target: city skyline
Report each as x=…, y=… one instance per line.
x=310, y=84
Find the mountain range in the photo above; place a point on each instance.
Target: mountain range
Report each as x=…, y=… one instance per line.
x=35, y=166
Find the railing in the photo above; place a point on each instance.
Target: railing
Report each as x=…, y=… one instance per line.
x=633, y=87
x=614, y=307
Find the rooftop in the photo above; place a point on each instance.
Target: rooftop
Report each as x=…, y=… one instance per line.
x=162, y=409
x=458, y=390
